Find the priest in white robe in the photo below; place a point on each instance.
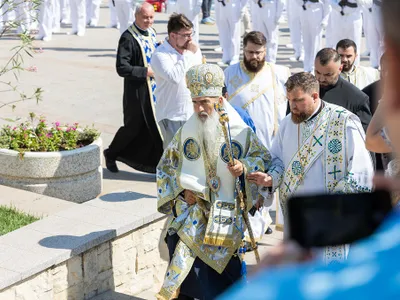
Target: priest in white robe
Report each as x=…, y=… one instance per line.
x=354, y=73
x=196, y=187
x=258, y=87
x=322, y=148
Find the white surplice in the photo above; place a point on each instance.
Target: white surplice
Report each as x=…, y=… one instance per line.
x=361, y=76
x=260, y=94
x=263, y=96
x=330, y=161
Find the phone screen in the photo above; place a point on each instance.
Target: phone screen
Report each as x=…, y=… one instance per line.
x=327, y=220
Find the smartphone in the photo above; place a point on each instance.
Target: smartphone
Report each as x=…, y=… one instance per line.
x=328, y=220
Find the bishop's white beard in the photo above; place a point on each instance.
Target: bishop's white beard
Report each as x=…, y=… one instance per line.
x=209, y=134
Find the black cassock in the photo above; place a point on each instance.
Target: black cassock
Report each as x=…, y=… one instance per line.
x=347, y=95
x=138, y=143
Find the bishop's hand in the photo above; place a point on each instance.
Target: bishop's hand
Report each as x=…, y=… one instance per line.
x=260, y=178
x=236, y=168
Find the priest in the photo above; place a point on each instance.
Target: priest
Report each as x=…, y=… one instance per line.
x=196, y=187
x=138, y=143
x=322, y=148
x=353, y=72
x=258, y=87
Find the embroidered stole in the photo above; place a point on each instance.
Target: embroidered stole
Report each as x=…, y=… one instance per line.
x=148, y=45
x=327, y=139
x=257, y=87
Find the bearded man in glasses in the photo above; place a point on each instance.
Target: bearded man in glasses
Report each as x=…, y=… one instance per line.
x=258, y=87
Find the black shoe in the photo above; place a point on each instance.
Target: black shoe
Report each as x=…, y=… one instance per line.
x=269, y=231
x=110, y=163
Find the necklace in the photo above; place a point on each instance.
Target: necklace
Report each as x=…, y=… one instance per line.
x=213, y=181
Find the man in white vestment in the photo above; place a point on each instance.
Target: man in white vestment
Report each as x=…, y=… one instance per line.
x=266, y=16
x=346, y=22
x=354, y=73
x=196, y=187
x=191, y=9
x=258, y=87
x=229, y=13
x=314, y=15
x=322, y=149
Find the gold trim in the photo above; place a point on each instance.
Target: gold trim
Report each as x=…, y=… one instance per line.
x=252, y=77
x=256, y=97
x=279, y=227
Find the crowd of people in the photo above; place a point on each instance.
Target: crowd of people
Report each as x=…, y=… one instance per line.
x=225, y=144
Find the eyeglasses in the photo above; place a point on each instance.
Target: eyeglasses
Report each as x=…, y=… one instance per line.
x=256, y=53
x=186, y=36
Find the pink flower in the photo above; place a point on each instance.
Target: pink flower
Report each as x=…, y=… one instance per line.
x=32, y=69
x=58, y=128
x=68, y=129
x=49, y=135
x=15, y=128
x=76, y=124
x=42, y=120
x=57, y=124
x=73, y=128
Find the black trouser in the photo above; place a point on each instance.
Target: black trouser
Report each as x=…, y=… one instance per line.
x=206, y=8
x=203, y=282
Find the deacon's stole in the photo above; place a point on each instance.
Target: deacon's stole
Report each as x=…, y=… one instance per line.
x=326, y=140
x=212, y=229
x=265, y=82
x=148, y=45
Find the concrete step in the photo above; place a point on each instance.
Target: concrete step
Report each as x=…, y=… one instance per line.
x=32, y=203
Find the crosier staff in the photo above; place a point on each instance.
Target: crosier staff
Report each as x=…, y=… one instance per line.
x=224, y=120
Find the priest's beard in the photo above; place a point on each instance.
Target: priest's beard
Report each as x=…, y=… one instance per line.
x=254, y=65
x=209, y=132
x=300, y=117
x=348, y=65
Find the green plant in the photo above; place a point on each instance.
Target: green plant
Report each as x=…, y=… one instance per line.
x=37, y=135
x=11, y=219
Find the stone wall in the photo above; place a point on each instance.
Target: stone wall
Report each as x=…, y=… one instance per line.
x=129, y=264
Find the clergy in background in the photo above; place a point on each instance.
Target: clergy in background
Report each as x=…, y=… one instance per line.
x=258, y=87
x=354, y=73
x=322, y=148
x=196, y=188
x=138, y=143
x=335, y=90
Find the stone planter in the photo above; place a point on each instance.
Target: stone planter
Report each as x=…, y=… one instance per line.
x=74, y=175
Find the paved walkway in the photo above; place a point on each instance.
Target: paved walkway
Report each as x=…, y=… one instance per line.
x=81, y=85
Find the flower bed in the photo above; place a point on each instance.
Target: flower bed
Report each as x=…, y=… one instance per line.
x=57, y=161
